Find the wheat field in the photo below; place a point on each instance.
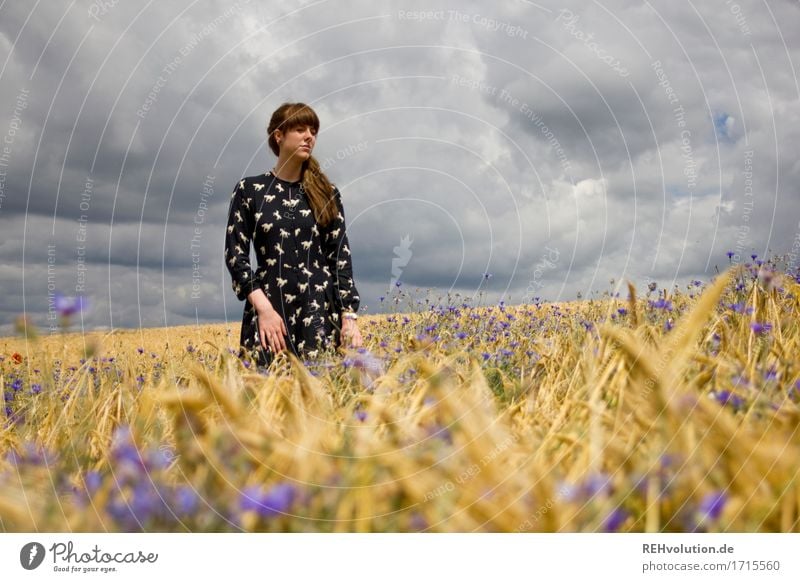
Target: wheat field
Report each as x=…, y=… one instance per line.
x=669, y=410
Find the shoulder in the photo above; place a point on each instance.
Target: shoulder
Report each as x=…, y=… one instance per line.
x=250, y=184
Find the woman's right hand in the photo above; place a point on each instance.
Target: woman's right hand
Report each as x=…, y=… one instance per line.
x=271, y=327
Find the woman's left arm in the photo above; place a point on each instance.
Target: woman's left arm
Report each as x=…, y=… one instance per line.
x=336, y=247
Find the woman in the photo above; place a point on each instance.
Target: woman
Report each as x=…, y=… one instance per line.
x=302, y=296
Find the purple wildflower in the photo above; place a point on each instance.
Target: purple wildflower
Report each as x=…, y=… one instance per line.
x=662, y=304
x=68, y=306
x=92, y=480
x=185, y=500
x=728, y=397
x=277, y=500
x=711, y=505
x=597, y=484
x=760, y=328
x=615, y=519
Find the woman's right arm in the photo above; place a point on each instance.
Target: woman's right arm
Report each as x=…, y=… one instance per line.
x=237, y=241
x=238, y=234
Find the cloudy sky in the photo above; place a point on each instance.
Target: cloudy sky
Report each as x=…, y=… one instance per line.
x=555, y=146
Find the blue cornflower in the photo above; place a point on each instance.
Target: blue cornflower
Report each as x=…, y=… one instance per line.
x=728, y=397
x=67, y=306
x=711, y=505
x=185, y=500
x=760, y=328
x=92, y=480
x=662, y=304
x=615, y=519
x=277, y=500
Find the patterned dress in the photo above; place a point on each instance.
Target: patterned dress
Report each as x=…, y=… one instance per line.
x=304, y=269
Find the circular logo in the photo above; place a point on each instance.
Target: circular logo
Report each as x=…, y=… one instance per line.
x=31, y=555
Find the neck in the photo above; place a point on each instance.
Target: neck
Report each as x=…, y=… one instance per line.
x=288, y=169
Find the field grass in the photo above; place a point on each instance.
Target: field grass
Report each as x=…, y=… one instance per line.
x=671, y=411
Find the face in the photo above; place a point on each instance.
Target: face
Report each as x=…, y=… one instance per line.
x=298, y=141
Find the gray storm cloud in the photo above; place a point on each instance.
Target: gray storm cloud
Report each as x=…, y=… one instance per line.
x=554, y=146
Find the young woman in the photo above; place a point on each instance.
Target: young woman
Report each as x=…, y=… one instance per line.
x=302, y=296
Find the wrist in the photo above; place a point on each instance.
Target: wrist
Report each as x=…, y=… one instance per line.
x=259, y=301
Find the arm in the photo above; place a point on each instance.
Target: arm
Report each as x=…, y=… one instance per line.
x=336, y=247
x=237, y=242
x=241, y=222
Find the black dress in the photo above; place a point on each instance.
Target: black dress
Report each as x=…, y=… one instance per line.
x=304, y=269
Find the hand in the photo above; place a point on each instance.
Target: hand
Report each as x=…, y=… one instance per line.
x=351, y=333
x=271, y=327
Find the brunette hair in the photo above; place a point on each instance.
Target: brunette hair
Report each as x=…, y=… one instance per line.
x=316, y=184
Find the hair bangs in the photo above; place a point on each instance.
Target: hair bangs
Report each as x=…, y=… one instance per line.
x=300, y=115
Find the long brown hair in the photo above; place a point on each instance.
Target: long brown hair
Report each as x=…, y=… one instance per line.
x=316, y=184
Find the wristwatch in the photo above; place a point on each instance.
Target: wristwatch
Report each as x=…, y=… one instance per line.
x=349, y=315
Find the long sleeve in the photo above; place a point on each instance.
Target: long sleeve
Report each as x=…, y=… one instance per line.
x=337, y=253
x=237, y=240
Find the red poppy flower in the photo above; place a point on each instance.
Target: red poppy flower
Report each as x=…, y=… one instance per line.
x=16, y=357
